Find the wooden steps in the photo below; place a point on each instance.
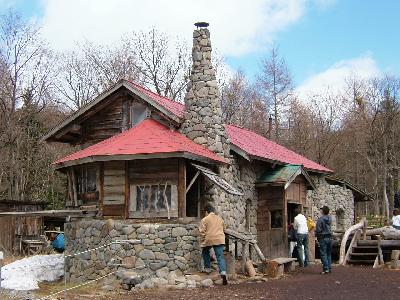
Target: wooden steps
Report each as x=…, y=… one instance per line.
x=363, y=252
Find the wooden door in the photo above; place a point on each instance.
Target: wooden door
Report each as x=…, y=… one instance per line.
x=271, y=222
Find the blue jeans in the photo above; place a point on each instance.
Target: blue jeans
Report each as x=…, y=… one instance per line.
x=219, y=253
x=325, y=250
x=302, y=240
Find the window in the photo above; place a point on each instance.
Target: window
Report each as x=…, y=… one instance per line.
x=138, y=113
x=158, y=200
x=86, y=178
x=340, y=220
x=276, y=218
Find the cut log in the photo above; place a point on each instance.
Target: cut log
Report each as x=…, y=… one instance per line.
x=387, y=232
x=250, y=271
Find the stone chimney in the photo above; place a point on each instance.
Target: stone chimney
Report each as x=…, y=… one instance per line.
x=203, y=115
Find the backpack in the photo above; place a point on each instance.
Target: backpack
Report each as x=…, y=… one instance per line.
x=310, y=224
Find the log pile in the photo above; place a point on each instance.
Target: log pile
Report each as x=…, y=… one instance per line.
x=387, y=233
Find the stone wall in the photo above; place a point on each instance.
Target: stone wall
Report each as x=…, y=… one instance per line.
x=164, y=248
x=338, y=198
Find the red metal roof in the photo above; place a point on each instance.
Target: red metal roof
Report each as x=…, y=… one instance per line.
x=258, y=146
x=250, y=142
x=148, y=137
x=173, y=106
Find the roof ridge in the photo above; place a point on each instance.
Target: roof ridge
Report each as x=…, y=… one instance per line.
x=150, y=91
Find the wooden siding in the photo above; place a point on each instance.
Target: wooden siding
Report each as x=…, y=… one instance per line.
x=13, y=228
x=102, y=125
x=114, y=188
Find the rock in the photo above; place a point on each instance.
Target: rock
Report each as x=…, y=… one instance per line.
x=193, y=277
x=159, y=282
x=163, y=272
x=107, y=287
x=157, y=265
x=179, y=231
x=128, y=230
x=129, y=261
x=144, y=229
x=171, y=246
x=207, y=282
x=171, y=278
x=181, y=286
x=161, y=256
x=191, y=284
x=131, y=277
x=146, y=254
x=147, y=242
x=139, y=264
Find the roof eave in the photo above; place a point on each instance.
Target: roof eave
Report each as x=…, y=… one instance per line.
x=103, y=158
x=81, y=111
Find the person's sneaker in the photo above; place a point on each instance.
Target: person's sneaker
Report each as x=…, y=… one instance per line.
x=206, y=270
x=324, y=272
x=224, y=280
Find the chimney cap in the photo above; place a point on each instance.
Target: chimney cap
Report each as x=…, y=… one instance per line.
x=201, y=24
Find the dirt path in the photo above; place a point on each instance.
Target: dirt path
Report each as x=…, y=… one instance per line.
x=344, y=283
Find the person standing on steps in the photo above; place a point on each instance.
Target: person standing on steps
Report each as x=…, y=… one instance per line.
x=212, y=235
x=300, y=225
x=323, y=232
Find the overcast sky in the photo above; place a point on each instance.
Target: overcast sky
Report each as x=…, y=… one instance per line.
x=323, y=41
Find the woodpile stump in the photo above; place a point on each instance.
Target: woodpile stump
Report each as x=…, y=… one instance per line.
x=395, y=262
x=250, y=271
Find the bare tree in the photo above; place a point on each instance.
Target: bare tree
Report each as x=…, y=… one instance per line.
x=26, y=88
x=276, y=82
x=163, y=66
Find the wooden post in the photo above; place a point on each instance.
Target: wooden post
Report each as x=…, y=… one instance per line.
x=182, y=189
x=127, y=192
x=236, y=249
x=70, y=188
x=74, y=188
x=251, y=252
x=1, y=264
x=245, y=246
x=101, y=186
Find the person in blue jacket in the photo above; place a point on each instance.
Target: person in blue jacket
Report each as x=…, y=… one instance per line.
x=58, y=242
x=323, y=232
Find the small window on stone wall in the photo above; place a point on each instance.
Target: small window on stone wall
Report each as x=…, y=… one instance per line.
x=276, y=218
x=340, y=219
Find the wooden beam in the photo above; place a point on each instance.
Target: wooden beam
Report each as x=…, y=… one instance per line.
x=182, y=188
x=74, y=128
x=70, y=188
x=192, y=181
x=101, y=186
x=74, y=188
x=127, y=189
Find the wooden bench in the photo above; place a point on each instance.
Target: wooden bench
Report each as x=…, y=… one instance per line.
x=275, y=268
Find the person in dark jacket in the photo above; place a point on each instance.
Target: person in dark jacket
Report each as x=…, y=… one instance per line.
x=323, y=232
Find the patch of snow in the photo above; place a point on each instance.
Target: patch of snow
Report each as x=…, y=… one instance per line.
x=26, y=273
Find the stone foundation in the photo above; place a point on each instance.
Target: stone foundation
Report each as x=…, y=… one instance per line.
x=164, y=248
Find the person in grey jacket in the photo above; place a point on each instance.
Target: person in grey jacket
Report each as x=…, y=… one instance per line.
x=323, y=232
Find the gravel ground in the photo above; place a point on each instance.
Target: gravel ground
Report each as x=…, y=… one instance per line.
x=344, y=283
